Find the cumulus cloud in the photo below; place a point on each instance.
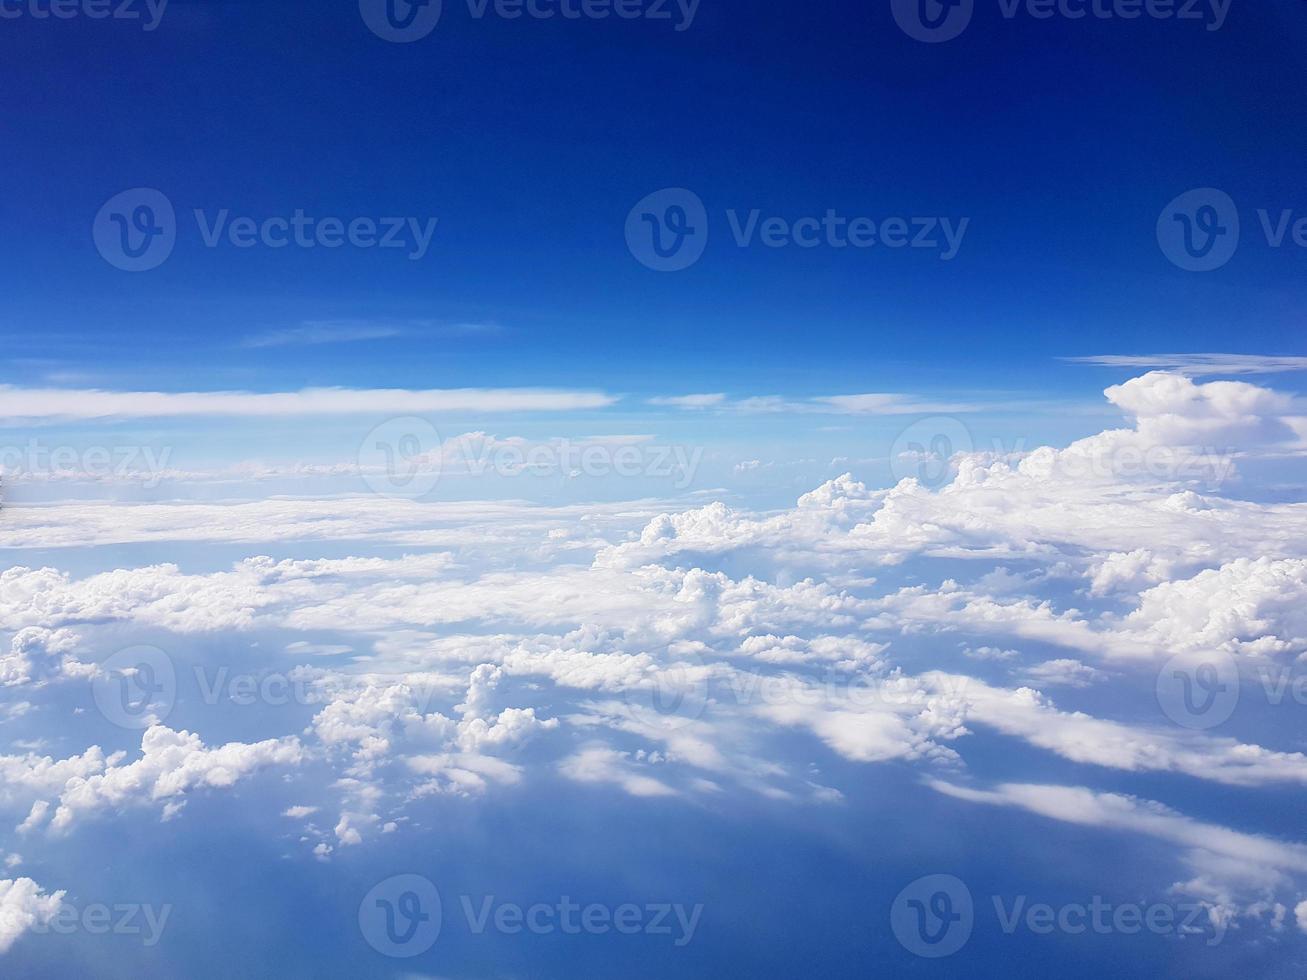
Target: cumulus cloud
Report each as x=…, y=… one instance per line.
x=171, y=765
x=664, y=651
x=23, y=906
x=35, y=652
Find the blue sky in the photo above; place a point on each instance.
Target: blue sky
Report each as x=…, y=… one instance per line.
x=791, y=471
x=530, y=140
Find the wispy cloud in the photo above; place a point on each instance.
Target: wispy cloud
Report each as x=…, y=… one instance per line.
x=891, y=404
x=863, y=404
x=60, y=403
x=322, y=332
x=1200, y=364
x=318, y=332
x=690, y=401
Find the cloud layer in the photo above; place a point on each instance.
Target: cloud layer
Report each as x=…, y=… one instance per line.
x=469, y=650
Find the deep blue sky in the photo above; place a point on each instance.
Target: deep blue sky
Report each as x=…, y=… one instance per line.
x=531, y=140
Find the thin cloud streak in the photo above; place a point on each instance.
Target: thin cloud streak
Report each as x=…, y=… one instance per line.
x=1199, y=364
x=314, y=333
x=57, y=403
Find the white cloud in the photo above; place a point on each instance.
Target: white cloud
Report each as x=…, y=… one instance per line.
x=1080, y=805
x=57, y=403
x=601, y=764
x=172, y=764
x=1230, y=865
x=23, y=906
x=866, y=403
x=1200, y=364
x=690, y=401
x=35, y=651
x=1253, y=606
x=323, y=332
x=1029, y=715
x=863, y=403
x=441, y=639
x=1062, y=672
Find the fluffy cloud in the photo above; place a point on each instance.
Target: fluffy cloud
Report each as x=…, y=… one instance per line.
x=171, y=765
x=35, y=652
x=23, y=905
x=664, y=651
